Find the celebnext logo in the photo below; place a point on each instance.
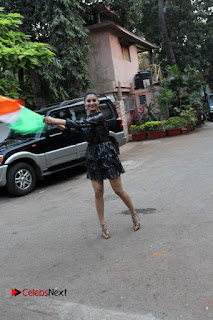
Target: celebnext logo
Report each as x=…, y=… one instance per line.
x=39, y=293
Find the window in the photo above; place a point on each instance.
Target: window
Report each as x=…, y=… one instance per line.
x=142, y=99
x=77, y=113
x=56, y=114
x=129, y=104
x=104, y=108
x=59, y=114
x=125, y=52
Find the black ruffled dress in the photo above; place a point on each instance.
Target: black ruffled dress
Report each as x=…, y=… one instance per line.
x=101, y=157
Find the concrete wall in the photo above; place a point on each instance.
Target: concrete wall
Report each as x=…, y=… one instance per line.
x=100, y=66
x=124, y=70
x=149, y=93
x=106, y=64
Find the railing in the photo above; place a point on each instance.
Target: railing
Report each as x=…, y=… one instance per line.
x=156, y=73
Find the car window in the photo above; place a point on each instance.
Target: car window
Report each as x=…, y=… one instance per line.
x=78, y=112
x=56, y=114
x=105, y=109
x=59, y=114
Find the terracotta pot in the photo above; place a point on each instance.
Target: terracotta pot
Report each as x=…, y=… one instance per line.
x=184, y=130
x=173, y=132
x=139, y=136
x=189, y=128
x=156, y=134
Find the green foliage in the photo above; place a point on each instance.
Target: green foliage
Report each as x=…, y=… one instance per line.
x=165, y=98
x=16, y=49
x=68, y=75
x=186, y=84
x=18, y=55
x=150, y=113
x=154, y=125
x=137, y=129
x=189, y=117
x=188, y=23
x=9, y=86
x=58, y=23
x=174, y=122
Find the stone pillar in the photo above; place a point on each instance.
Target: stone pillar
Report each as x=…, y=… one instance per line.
x=121, y=110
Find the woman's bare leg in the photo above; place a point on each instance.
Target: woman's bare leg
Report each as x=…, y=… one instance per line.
x=116, y=185
x=99, y=199
x=99, y=202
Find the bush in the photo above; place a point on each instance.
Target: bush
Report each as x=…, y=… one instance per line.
x=189, y=117
x=154, y=125
x=174, y=122
x=137, y=129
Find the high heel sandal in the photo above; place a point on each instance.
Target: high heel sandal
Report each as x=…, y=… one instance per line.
x=136, y=222
x=105, y=232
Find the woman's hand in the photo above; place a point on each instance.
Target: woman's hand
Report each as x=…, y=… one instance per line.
x=49, y=121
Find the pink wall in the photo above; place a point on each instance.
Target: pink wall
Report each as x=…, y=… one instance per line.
x=106, y=64
x=124, y=70
x=149, y=93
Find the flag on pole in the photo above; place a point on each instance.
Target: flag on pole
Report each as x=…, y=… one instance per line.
x=19, y=118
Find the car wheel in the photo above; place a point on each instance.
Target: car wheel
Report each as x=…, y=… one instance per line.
x=21, y=179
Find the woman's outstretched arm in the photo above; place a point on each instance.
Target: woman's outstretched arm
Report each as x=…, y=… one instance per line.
x=55, y=122
x=87, y=122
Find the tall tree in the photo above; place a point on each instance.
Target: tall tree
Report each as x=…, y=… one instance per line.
x=189, y=27
x=68, y=38
x=166, y=38
x=58, y=23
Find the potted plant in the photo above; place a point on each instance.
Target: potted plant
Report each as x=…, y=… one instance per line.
x=189, y=116
x=138, y=132
x=184, y=129
x=154, y=129
x=173, y=126
x=164, y=98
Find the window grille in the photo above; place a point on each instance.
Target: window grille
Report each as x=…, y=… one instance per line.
x=142, y=99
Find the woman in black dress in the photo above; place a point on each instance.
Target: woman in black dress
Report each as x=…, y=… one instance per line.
x=101, y=157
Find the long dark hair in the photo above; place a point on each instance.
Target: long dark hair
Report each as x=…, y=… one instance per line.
x=90, y=92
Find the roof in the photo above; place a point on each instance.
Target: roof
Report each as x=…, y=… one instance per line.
x=124, y=35
x=105, y=11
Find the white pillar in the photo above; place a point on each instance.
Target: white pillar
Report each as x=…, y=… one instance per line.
x=121, y=110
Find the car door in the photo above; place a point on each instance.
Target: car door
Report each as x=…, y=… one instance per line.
x=77, y=113
x=60, y=149
x=108, y=114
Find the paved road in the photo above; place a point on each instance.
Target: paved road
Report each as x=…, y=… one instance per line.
x=51, y=239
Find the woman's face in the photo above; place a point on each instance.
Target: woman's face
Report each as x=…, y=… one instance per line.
x=91, y=102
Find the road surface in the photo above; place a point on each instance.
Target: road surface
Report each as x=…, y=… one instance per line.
x=51, y=239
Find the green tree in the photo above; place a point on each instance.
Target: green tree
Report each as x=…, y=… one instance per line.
x=58, y=23
x=186, y=84
x=189, y=27
x=165, y=34
x=69, y=39
x=19, y=58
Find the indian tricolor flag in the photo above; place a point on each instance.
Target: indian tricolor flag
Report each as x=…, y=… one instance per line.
x=19, y=118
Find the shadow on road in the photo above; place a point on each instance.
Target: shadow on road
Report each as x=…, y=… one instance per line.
x=51, y=180
x=61, y=177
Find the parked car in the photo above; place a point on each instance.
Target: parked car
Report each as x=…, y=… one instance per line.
x=24, y=159
x=210, y=107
